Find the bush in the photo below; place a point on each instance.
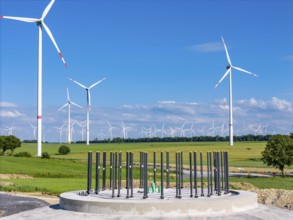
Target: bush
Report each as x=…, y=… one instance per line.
x=23, y=154
x=64, y=149
x=45, y=155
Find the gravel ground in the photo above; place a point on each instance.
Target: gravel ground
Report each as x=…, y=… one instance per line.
x=12, y=204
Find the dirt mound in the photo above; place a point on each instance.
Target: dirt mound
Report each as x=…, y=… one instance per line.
x=272, y=197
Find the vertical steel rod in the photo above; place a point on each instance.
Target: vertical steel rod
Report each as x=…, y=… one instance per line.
x=145, y=191
x=131, y=174
x=98, y=167
x=155, y=168
x=119, y=173
x=140, y=170
x=162, y=175
x=113, y=174
x=176, y=170
x=222, y=172
x=181, y=170
x=167, y=170
x=127, y=175
x=104, y=170
x=111, y=168
x=89, y=173
x=190, y=174
x=208, y=174
x=201, y=174
x=211, y=172
x=180, y=174
x=195, y=174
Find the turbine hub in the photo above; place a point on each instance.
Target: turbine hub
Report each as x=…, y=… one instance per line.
x=228, y=67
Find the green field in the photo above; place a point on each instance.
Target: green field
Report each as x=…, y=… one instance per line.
x=68, y=172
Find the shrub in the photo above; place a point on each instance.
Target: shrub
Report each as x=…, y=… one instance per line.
x=64, y=149
x=45, y=155
x=23, y=154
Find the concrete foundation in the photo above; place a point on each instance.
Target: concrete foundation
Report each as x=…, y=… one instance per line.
x=170, y=206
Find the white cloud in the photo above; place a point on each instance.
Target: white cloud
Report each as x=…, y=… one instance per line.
x=7, y=104
x=207, y=47
x=281, y=105
x=167, y=102
x=252, y=102
x=222, y=101
x=11, y=114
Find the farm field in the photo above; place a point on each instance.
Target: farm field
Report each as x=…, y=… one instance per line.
x=68, y=172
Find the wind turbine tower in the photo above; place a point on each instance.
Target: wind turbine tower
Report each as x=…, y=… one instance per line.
x=68, y=104
x=41, y=24
x=229, y=71
x=88, y=98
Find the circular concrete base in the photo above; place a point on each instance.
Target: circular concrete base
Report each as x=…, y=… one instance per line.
x=170, y=206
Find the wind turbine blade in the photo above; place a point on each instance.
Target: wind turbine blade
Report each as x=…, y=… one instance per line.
x=240, y=69
x=227, y=72
x=78, y=83
x=47, y=9
x=20, y=18
x=227, y=54
x=63, y=106
x=97, y=83
x=76, y=104
x=54, y=42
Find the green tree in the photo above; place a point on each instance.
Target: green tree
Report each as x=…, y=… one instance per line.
x=11, y=143
x=278, y=152
x=2, y=144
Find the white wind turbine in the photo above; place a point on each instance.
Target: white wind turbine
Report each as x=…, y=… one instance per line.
x=124, y=130
x=110, y=131
x=60, y=132
x=88, y=98
x=229, y=71
x=41, y=24
x=82, y=129
x=34, y=131
x=9, y=129
x=68, y=104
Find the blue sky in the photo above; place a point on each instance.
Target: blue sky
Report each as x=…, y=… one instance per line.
x=161, y=60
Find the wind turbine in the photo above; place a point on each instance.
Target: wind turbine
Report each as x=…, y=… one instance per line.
x=41, y=24
x=60, y=132
x=82, y=130
x=68, y=104
x=229, y=71
x=34, y=132
x=10, y=129
x=110, y=131
x=88, y=98
x=124, y=130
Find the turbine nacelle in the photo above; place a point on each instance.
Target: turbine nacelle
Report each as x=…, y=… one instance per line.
x=228, y=67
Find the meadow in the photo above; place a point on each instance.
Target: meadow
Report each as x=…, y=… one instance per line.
x=68, y=172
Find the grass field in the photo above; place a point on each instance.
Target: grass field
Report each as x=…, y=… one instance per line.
x=68, y=172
